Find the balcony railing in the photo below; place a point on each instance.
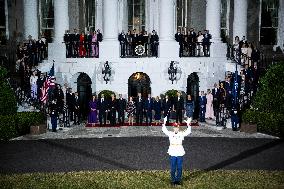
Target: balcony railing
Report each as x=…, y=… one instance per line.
x=138, y=50
x=197, y=49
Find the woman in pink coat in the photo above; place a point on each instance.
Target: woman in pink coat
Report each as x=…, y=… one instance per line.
x=209, y=106
x=95, y=49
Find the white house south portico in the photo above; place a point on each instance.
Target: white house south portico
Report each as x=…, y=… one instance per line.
x=208, y=69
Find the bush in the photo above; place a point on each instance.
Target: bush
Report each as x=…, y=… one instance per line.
x=8, y=104
x=172, y=93
x=8, y=127
x=107, y=93
x=27, y=119
x=268, y=110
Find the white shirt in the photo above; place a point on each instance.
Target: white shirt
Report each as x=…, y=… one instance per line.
x=176, y=148
x=33, y=80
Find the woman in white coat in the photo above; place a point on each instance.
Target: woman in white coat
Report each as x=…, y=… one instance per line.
x=176, y=150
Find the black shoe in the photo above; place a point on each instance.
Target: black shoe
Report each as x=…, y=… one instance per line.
x=178, y=183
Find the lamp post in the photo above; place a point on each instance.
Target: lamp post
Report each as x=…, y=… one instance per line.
x=107, y=72
x=172, y=71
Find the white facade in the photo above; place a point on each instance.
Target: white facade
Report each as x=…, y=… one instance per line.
x=160, y=15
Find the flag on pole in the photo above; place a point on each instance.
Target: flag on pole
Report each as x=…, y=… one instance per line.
x=48, y=83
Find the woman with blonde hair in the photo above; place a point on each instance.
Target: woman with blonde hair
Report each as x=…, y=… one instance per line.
x=130, y=109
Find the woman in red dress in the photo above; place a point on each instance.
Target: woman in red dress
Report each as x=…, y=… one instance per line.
x=82, y=49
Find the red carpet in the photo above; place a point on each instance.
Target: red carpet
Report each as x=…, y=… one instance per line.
x=143, y=124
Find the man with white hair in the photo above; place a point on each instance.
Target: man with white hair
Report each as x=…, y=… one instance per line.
x=176, y=150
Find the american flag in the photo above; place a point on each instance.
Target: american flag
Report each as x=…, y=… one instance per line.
x=48, y=83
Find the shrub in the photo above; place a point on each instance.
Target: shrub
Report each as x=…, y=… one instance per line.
x=172, y=93
x=268, y=110
x=27, y=119
x=107, y=93
x=8, y=104
x=7, y=127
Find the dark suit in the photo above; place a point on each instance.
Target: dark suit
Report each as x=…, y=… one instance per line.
x=179, y=107
x=180, y=39
x=191, y=40
x=77, y=114
x=122, y=39
x=121, y=107
x=206, y=44
x=102, y=107
x=69, y=103
x=139, y=110
x=154, y=40
x=67, y=41
x=89, y=44
x=216, y=103
x=148, y=107
x=166, y=108
x=113, y=109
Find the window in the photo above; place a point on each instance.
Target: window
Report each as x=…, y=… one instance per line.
x=225, y=6
x=269, y=22
x=90, y=14
x=47, y=19
x=2, y=22
x=136, y=14
x=182, y=14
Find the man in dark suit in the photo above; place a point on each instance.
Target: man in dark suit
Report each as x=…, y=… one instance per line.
x=202, y=106
x=179, y=39
x=134, y=37
x=88, y=43
x=139, y=109
x=77, y=114
x=148, y=107
x=75, y=37
x=67, y=41
x=121, y=107
x=103, y=107
x=154, y=40
x=99, y=36
x=191, y=40
x=206, y=43
x=216, y=102
x=122, y=40
x=166, y=108
x=69, y=103
x=112, y=110
x=179, y=107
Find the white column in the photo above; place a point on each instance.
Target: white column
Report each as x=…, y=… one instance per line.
x=61, y=19
x=99, y=15
x=168, y=46
x=167, y=20
x=213, y=24
x=30, y=19
x=61, y=24
x=213, y=19
x=240, y=18
x=280, y=32
x=110, y=14
x=109, y=48
x=122, y=18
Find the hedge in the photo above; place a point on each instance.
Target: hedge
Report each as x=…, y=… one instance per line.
x=8, y=127
x=12, y=126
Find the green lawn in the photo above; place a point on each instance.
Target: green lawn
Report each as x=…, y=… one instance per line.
x=145, y=179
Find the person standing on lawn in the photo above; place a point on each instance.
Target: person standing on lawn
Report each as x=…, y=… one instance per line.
x=176, y=150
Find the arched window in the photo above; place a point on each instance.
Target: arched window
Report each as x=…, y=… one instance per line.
x=269, y=22
x=136, y=14
x=47, y=19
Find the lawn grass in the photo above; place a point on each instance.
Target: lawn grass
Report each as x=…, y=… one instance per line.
x=145, y=179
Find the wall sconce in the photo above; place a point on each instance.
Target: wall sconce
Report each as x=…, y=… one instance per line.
x=106, y=71
x=172, y=71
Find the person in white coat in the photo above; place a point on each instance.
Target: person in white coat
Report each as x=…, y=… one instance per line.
x=176, y=150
